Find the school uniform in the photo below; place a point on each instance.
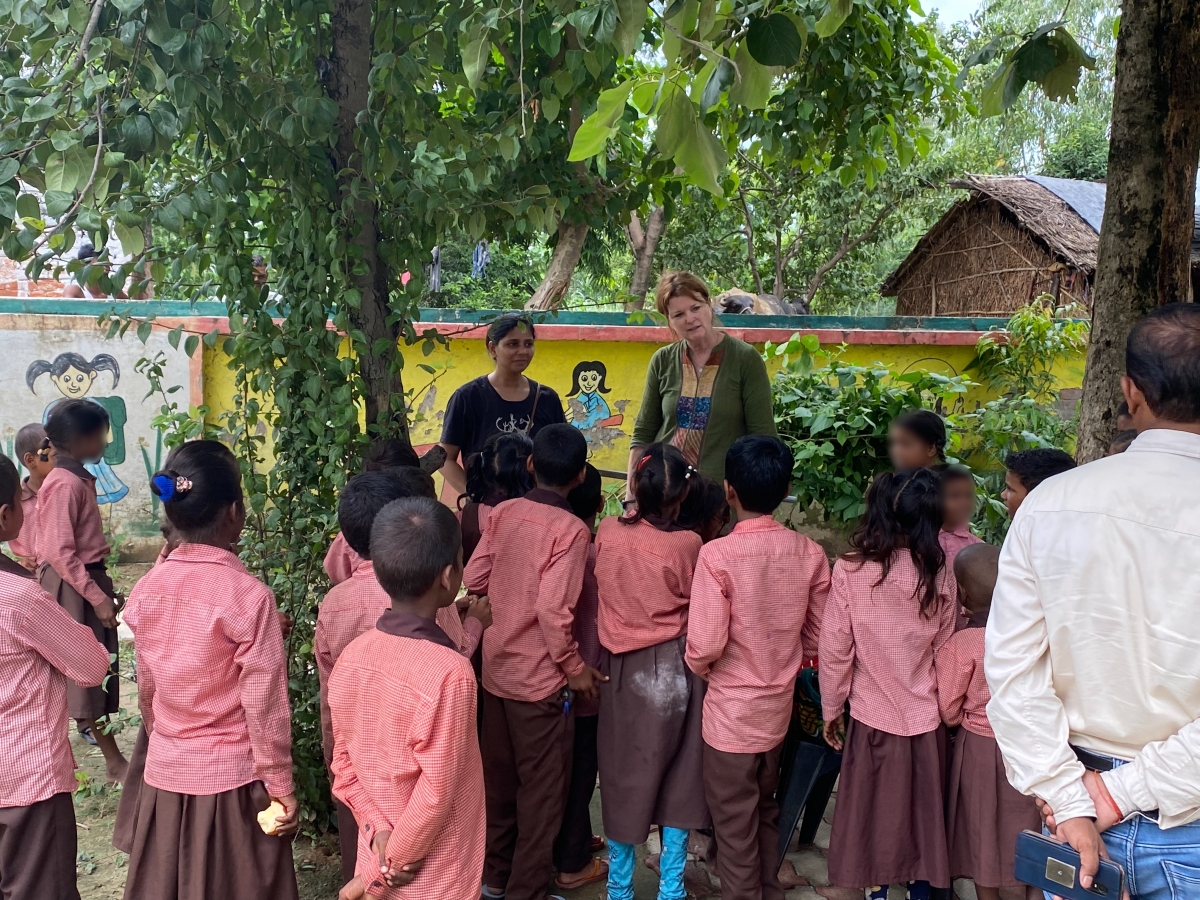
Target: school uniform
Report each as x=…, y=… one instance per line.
x=406, y=758
x=877, y=650
x=984, y=813
x=573, y=847
x=650, y=746
x=954, y=542
x=340, y=561
x=473, y=520
x=24, y=545
x=71, y=549
x=530, y=562
x=212, y=680
x=40, y=648
x=352, y=608
x=758, y=598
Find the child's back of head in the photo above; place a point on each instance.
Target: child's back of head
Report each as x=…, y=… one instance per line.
x=31, y=440
x=500, y=471
x=758, y=467
x=704, y=510
x=1122, y=441
x=72, y=420
x=198, y=486
x=10, y=500
x=904, y=512
x=662, y=480
x=414, y=541
x=1032, y=467
x=366, y=494
x=976, y=568
x=559, y=455
x=587, y=499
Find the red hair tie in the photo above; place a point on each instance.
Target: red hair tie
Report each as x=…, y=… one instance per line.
x=642, y=462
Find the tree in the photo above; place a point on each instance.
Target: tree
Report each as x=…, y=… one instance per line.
x=1081, y=153
x=643, y=242
x=1145, y=241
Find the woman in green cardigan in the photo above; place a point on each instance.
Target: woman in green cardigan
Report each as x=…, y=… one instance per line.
x=704, y=391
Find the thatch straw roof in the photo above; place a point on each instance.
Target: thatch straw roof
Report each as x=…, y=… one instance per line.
x=1047, y=218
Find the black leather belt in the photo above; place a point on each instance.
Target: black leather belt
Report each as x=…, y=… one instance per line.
x=1097, y=762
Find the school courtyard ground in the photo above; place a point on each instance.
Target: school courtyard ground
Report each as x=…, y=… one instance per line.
x=101, y=867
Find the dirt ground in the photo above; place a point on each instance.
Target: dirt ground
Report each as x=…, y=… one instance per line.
x=101, y=868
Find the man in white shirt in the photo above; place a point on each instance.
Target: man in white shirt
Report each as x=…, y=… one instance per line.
x=1093, y=643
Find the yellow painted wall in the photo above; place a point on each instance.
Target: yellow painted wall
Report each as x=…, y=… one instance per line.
x=625, y=363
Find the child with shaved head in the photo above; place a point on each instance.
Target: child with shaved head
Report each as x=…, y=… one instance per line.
x=984, y=812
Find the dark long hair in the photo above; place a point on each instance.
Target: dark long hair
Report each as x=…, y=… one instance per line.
x=589, y=366
x=101, y=362
x=661, y=479
x=904, y=510
x=200, y=480
x=499, y=472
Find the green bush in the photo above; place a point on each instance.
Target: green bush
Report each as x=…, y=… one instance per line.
x=835, y=416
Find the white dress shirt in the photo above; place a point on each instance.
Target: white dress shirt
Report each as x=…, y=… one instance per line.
x=1094, y=634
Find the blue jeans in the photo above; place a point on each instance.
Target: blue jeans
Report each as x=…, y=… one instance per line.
x=670, y=867
x=1159, y=864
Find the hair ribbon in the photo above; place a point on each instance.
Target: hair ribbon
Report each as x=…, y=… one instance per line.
x=169, y=488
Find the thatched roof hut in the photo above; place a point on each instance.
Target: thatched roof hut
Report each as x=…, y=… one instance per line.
x=1014, y=238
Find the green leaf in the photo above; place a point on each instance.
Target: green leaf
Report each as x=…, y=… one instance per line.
x=703, y=159
x=773, y=40
x=39, y=111
x=27, y=207
x=550, y=107
x=645, y=96
x=991, y=101
x=1034, y=59
x=753, y=89
x=132, y=239
x=980, y=57
x=476, y=51
x=143, y=331
x=631, y=20
x=78, y=15
x=676, y=120
x=596, y=129
x=173, y=336
x=58, y=202
x=127, y=7
x=8, y=169
x=846, y=176
x=8, y=201
x=706, y=17
x=839, y=11
x=721, y=78
x=190, y=345
x=58, y=174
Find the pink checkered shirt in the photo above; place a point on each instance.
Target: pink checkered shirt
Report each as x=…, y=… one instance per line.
x=587, y=634
x=70, y=532
x=340, y=561
x=953, y=542
x=352, y=608
x=530, y=562
x=40, y=648
x=407, y=759
x=645, y=581
x=212, y=676
x=24, y=545
x=877, y=649
x=962, y=690
x=757, y=603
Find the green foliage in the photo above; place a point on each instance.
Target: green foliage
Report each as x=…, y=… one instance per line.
x=835, y=416
x=1081, y=153
x=1026, y=413
x=510, y=277
x=1047, y=56
x=835, y=419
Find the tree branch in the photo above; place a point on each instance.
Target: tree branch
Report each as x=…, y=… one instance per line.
x=844, y=248
x=750, y=257
x=62, y=220
x=93, y=21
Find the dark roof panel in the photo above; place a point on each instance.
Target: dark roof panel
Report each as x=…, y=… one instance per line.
x=1085, y=197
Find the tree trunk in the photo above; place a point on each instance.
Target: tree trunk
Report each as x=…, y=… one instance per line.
x=350, y=66
x=553, y=288
x=643, y=242
x=1148, y=213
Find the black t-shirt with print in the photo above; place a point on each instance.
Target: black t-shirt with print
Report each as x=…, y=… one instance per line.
x=476, y=412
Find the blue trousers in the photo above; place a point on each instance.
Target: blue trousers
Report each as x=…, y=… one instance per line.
x=670, y=866
x=1159, y=864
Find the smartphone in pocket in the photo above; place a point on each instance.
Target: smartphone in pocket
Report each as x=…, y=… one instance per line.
x=1053, y=867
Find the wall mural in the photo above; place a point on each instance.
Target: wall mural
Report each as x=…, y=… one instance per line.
x=589, y=410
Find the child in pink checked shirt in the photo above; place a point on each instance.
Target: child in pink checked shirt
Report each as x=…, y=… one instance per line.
x=958, y=506
x=891, y=606
x=984, y=813
x=217, y=715
x=496, y=473
x=36, y=453
x=40, y=647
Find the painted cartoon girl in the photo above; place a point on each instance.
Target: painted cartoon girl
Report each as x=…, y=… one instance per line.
x=587, y=384
x=74, y=377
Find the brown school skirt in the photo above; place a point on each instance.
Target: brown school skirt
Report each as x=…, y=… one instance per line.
x=84, y=704
x=888, y=825
x=984, y=813
x=650, y=749
x=37, y=850
x=125, y=826
x=207, y=847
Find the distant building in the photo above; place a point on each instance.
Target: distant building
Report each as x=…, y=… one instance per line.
x=1012, y=239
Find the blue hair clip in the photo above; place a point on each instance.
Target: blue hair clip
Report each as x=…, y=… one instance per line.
x=165, y=485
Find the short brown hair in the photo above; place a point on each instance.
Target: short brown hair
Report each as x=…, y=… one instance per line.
x=679, y=284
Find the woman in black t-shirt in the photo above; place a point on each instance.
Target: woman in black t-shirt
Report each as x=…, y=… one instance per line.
x=504, y=401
